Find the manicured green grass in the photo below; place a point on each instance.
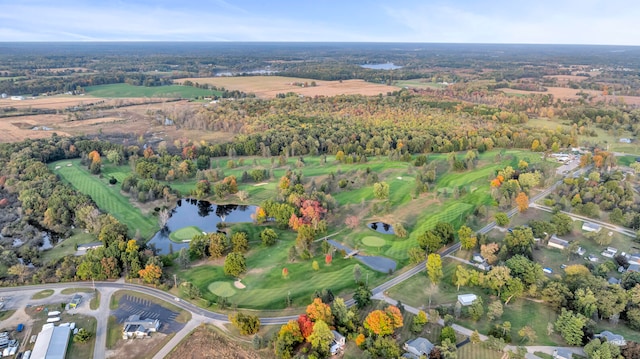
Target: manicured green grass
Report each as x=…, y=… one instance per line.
x=43, y=294
x=126, y=90
x=265, y=286
x=222, y=289
x=373, y=241
x=185, y=233
x=68, y=246
x=107, y=197
x=76, y=290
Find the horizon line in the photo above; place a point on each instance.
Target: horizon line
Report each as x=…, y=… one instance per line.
x=303, y=42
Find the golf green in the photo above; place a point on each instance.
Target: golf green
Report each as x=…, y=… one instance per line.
x=184, y=234
x=222, y=289
x=373, y=241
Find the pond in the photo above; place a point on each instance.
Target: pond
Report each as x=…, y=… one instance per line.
x=387, y=66
x=381, y=227
x=202, y=214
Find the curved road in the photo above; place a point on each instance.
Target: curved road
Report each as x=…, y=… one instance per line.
x=109, y=287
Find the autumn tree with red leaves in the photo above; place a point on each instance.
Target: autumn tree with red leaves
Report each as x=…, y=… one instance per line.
x=306, y=325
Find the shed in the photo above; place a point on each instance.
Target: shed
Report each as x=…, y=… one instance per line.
x=467, y=299
x=591, y=227
x=418, y=346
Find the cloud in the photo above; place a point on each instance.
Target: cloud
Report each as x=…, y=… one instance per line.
x=491, y=21
x=545, y=21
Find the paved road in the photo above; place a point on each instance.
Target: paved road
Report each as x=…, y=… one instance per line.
x=622, y=230
x=107, y=288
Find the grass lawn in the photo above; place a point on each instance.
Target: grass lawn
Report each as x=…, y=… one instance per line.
x=478, y=351
x=416, y=291
x=94, y=303
x=184, y=233
x=83, y=350
x=183, y=315
x=107, y=197
x=43, y=294
x=170, y=91
x=68, y=246
x=6, y=314
x=76, y=290
x=114, y=332
x=265, y=286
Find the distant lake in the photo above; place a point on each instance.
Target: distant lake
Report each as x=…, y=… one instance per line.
x=387, y=66
x=202, y=214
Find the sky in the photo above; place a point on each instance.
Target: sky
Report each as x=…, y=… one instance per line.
x=604, y=22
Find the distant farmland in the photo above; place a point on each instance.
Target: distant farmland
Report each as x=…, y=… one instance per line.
x=129, y=91
x=270, y=86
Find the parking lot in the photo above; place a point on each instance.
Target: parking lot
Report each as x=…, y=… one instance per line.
x=130, y=305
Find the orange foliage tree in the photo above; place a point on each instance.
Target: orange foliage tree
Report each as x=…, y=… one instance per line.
x=384, y=322
x=94, y=156
x=319, y=311
x=522, y=200
x=151, y=273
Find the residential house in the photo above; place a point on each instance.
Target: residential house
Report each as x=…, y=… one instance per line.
x=615, y=339
x=561, y=353
x=609, y=252
x=134, y=327
x=467, y=299
x=625, y=140
x=338, y=342
x=592, y=258
x=580, y=251
x=633, y=267
x=478, y=258
x=418, y=347
x=4, y=95
x=556, y=242
x=484, y=266
x=613, y=280
x=591, y=227
x=17, y=98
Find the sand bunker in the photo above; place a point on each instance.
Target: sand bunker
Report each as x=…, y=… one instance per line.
x=239, y=284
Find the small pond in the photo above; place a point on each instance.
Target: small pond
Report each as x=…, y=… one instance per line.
x=381, y=227
x=202, y=214
x=387, y=66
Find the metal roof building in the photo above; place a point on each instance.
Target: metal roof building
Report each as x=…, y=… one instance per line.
x=52, y=343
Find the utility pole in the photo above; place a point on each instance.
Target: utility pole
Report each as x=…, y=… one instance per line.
x=175, y=281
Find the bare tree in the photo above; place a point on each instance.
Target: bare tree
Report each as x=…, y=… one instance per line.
x=163, y=218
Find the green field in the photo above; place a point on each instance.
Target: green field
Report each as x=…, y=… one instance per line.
x=419, y=84
x=417, y=290
x=126, y=90
x=68, y=246
x=108, y=198
x=185, y=233
x=265, y=286
x=222, y=289
x=373, y=241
